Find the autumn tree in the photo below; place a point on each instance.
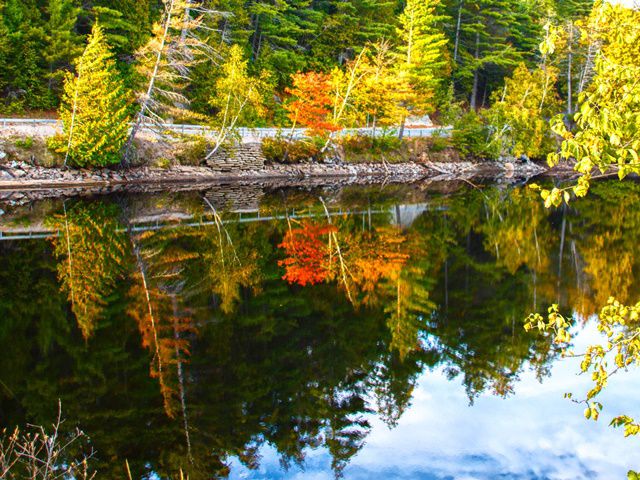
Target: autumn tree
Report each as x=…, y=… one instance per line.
x=165, y=64
x=308, y=254
x=95, y=108
x=238, y=96
x=520, y=113
x=311, y=103
x=608, y=115
x=382, y=89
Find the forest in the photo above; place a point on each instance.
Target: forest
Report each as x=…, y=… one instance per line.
x=470, y=46
x=498, y=70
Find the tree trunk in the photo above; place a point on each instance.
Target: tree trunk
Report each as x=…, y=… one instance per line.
x=569, y=73
x=255, y=44
x=476, y=75
x=457, y=40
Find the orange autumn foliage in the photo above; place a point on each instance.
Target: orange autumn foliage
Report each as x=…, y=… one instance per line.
x=307, y=261
x=312, y=104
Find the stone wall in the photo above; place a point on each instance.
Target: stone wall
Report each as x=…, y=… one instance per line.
x=241, y=157
x=236, y=197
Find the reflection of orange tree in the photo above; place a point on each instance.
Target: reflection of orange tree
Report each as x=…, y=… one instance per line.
x=91, y=250
x=371, y=265
x=309, y=255
x=360, y=260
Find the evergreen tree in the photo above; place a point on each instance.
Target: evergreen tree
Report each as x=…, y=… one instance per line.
x=348, y=26
x=5, y=60
x=127, y=23
x=25, y=87
x=63, y=42
x=280, y=36
x=487, y=44
x=422, y=51
x=95, y=107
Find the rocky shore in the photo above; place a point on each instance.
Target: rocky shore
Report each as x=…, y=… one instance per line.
x=24, y=176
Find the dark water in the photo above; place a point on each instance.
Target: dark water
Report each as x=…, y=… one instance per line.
x=259, y=333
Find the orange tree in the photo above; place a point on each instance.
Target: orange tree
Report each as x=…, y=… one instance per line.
x=311, y=104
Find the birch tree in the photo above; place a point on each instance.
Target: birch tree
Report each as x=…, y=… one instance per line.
x=238, y=96
x=179, y=41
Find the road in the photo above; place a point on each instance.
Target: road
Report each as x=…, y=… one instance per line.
x=48, y=127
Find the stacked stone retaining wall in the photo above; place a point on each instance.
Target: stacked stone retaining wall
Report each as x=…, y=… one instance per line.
x=241, y=157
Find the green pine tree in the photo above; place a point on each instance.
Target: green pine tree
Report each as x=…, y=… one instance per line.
x=24, y=77
x=347, y=27
x=127, y=23
x=95, y=107
x=281, y=33
x=64, y=44
x=422, y=51
x=489, y=39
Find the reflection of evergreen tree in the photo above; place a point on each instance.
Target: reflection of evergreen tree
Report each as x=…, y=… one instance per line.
x=91, y=252
x=485, y=295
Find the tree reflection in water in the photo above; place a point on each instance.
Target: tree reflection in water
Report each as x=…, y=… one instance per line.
x=180, y=347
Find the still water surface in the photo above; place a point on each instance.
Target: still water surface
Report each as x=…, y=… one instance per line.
x=368, y=332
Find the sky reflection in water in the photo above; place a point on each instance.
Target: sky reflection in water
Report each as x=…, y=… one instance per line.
x=534, y=434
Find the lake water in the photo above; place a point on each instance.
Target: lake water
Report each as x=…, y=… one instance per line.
x=369, y=332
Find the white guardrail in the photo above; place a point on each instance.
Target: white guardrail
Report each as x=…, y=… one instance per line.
x=243, y=132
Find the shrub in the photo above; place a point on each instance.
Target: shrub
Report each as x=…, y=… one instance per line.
x=368, y=149
x=360, y=144
x=192, y=151
x=162, y=162
x=471, y=137
x=438, y=143
x=25, y=144
x=280, y=150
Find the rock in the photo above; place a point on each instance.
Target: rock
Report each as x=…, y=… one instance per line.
x=3, y=155
x=19, y=173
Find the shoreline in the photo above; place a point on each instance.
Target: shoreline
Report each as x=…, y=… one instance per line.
x=21, y=176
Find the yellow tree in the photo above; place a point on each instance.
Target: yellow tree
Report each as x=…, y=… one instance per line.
x=95, y=108
x=608, y=118
x=422, y=53
x=382, y=92
x=607, y=136
x=520, y=113
x=238, y=96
